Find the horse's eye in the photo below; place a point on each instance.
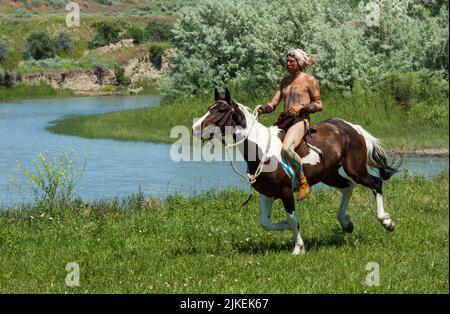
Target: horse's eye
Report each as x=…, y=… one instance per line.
x=222, y=110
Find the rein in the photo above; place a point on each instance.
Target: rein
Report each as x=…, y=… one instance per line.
x=249, y=178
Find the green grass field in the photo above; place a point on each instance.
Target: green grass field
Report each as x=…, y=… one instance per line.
x=208, y=244
x=377, y=114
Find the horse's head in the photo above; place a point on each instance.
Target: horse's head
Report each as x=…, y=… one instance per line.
x=221, y=118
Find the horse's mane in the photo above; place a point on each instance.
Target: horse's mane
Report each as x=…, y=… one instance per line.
x=247, y=111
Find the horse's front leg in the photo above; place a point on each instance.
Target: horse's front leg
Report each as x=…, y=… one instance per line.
x=266, y=203
x=289, y=206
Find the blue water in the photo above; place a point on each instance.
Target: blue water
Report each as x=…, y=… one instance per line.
x=115, y=168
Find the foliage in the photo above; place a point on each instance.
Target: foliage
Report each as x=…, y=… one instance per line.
x=155, y=55
x=8, y=79
x=64, y=43
x=241, y=41
x=54, y=178
x=121, y=79
x=158, y=30
x=39, y=46
x=136, y=33
x=409, y=87
x=105, y=2
x=107, y=32
x=3, y=53
x=58, y=3
x=100, y=72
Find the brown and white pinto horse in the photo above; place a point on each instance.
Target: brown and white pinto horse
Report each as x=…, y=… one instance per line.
x=332, y=144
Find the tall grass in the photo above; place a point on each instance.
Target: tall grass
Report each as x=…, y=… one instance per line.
x=207, y=244
x=22, y=91
x=376, y=112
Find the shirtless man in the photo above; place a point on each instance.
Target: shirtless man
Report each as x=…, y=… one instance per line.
x=301, y=94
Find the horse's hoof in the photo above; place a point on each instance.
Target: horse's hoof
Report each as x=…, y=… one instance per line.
x=389, y=225
x=349, y=228
x=299, y=250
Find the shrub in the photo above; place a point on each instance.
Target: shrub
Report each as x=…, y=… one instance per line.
x=58, y=3
x=107, y=33
x=100, y=71
x=158, y=30
x=54, y=179
x=39, y=46
x=121, y=79
x=63, y=43
x=36, y=3
x=106, y=2
x=237, y=41
x=412, y=87
x=3, y=53
x=136, y=34
x=8, y=79
x=155, y=56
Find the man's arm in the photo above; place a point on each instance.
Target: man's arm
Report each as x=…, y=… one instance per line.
x=270, y=106
x=314, y=94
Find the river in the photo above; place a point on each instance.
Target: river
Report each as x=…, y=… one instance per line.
x=114, y=168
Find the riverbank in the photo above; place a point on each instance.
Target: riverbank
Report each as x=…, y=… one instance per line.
x=45, y=91
x=207, y=244
x=400, y=130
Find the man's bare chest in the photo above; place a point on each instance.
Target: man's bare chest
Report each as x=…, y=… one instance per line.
x=296, y=92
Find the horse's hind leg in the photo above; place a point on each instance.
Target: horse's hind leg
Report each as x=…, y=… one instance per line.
x=346, y=187
x=289, y=205
x=357, y=170
x=265, y=203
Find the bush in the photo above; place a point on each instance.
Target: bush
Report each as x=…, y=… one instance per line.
x=155, y=55
x=413, y=87
x=64, y=43
x=106, y=2
x=240, y=40
x=36, y=3
x=54, y=179
x=100, y=72
x=121, y=79
x=58, y=3
x=136, y=34
x=107, y=33
x=8, y=79
x=158, y=30
x=3, y=53
x=40, y=46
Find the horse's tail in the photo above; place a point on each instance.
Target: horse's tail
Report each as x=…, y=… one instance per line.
x=377, y=157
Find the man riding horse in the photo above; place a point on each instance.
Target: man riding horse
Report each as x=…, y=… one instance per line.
x=301, y=94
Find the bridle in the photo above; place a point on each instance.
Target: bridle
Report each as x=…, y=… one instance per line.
x=249, y=178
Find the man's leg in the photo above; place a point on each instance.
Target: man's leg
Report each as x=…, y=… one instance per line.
x=291, y=141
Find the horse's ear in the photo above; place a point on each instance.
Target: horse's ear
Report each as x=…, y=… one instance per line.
x=216, y=94
x=227, y=95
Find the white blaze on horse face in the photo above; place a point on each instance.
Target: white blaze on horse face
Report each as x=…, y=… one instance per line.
x=197, y=127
